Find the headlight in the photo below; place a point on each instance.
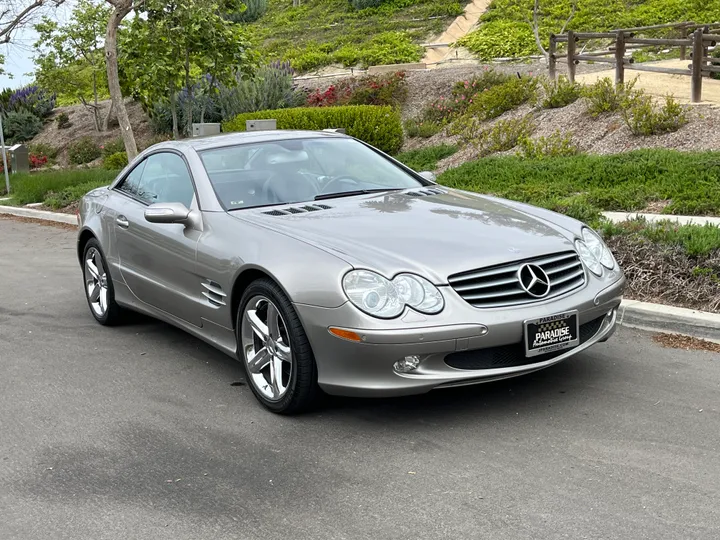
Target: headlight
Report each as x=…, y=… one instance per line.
x=384, y=298
x=593, y=252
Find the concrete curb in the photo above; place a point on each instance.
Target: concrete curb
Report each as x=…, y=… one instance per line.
x=669, y=319
x=21, y=211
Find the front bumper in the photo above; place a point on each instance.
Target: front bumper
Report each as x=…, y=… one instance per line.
x=366, y=368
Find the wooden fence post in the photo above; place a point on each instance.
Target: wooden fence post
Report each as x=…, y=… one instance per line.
x=684, y=33
x=620, y=58
x=552, y=62
x=697, y=63
x=571, y=55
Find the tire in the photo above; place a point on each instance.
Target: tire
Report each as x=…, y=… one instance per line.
x=101, y=302
x=284, y=380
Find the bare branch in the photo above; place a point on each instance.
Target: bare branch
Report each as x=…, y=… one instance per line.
x=536, y=29
x=20, y=19
x=570, y=18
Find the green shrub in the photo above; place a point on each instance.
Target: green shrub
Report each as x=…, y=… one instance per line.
x=116, y=161
x=63, y=121
x=607, y=97
x=390, y=48
x=695, y=240
x=254, y=9
x=505, y=135
x=364, y=4
x=72, y=194
x=556, y=145
x=83, y=150
x=645, y=118
x=44, y=150
x=479, y=83
x=33, y=188
x=425, y=159
x=500, y=39
x=499, y=99
x=559, y=93
x=421, y=128
x=21, y=126
x=379, y=126
x=112, y=147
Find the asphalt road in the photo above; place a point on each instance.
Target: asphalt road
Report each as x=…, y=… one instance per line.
x=139, y=432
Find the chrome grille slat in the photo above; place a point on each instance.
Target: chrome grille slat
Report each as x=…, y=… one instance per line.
x=498, y=286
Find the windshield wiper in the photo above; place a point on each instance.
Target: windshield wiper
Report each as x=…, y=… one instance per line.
x=339, y=194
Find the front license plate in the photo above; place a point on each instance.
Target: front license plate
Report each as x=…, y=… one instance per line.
x=553, y=333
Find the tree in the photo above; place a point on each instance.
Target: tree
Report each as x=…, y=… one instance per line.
x=120, y=9
x=182, y=44
x=70, y=56
x=534, y=15
x=16, y=14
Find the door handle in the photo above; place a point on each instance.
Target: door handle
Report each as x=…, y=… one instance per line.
x=122, y=222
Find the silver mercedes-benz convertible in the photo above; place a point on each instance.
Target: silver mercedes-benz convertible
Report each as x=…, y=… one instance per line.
x=323, y=264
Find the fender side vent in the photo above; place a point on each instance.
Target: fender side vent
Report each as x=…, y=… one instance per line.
x=214, y=293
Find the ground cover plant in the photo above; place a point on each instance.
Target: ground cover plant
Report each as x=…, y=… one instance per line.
x=34, y=187
x=425, y=159
x=585, y=185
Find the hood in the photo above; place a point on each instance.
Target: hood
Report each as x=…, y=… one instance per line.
x=434, y=232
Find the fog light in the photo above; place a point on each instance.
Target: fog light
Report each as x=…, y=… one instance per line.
x=407, y=364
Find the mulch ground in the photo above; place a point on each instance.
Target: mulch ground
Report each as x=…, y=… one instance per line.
x=676, y=341
x=66, y=226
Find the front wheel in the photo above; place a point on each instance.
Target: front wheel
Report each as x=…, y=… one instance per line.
x=275, y=351
x=99, y=289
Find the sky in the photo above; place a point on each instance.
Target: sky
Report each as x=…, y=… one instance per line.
x=18, y=55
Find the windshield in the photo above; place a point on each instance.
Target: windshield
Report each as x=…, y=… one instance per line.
x=299, y=170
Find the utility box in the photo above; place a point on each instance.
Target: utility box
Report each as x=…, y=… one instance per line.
x=19, y=158
x=202, y=130
x=260, y=125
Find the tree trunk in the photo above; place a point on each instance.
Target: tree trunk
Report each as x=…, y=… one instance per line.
x=173, y=110
x=96, y=108
x=108, y=115
x=122, y=8
x=188, y=89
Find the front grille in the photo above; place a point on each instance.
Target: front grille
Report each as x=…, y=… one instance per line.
x=498, y=286
x=513, y=355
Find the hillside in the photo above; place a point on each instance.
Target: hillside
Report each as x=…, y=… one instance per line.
x=320, y=33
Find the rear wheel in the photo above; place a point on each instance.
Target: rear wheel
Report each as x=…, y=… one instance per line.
x=275, y=351
x=99, y=289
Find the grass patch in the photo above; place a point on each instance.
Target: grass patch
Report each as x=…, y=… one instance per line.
x=695, y=240
x=35, y=187
x=426, y=159
x=322, y=32
x=585, y=185
x=71, y=194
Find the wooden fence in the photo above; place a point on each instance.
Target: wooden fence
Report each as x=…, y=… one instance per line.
x=696, y=37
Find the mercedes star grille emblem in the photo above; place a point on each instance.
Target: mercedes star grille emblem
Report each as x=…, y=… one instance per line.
x=534, y=280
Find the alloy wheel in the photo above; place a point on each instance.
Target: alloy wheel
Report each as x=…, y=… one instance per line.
x=96, y=282
x=266, y=348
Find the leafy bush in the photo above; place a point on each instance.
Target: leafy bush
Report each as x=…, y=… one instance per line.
x=32, y=99
x=390, y=48
x=83, y=151
x=115, y=161
x=63, y=121
x=425, y=159
x=378, y=126
x=21, y=126
x=606, y=97
x=690, y=181
x=254, y=9
x=643, y=117
x=421, y=128
x=556, y=145
x=385, y=89
x=559, y=93
x=500, y=39
x=72, y=194
x=112, y=147
x=37, y=162
x=33, y=188
x=43, y=149
x=499, y=99
x=506, y=134
x=364, y=4
x=271, y=88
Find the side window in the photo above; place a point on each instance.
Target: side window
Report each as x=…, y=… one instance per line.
x=132, y=180
x=166, y=179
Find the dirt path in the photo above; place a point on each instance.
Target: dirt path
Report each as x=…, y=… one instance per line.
x=661, y=84
x=459, y=28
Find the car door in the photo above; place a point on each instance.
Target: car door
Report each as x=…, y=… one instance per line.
x=158, y=260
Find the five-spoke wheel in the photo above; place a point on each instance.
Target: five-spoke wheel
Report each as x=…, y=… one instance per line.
x=98, y=285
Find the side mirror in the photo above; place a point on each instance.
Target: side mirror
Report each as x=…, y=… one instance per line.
x=427, y=175
x=167, y=213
